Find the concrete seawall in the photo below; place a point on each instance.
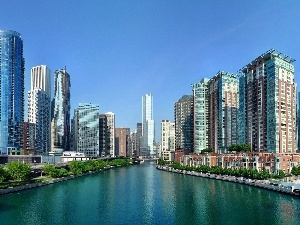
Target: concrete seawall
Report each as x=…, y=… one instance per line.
x=256, y=183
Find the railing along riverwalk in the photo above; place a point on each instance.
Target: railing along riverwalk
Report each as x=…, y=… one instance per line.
x=251, y=182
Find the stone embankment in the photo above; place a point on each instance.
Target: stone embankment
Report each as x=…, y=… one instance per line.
x=267, y=184
x=47, y=182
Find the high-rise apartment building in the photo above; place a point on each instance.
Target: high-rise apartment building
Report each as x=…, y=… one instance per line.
x=167, y=140
x=139, y=134
x=267, y=118
x=184, y=123
x=148, y=148
x=60, y=125
x=11, y=91
x=110, y=138
x=86, y=125
x=39, y=108
x=102, y=134
x=29, y=138
x=223, y=102
x=133, y=138
x=122, y=142
x=200, y=94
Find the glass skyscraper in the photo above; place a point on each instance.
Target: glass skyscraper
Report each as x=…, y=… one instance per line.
x=60, y=124
x=200, y=94
x=184, y=123
x=86, y=125
x=11, y=91
x=148, y=148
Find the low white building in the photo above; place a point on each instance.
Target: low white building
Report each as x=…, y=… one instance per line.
x=71, y=156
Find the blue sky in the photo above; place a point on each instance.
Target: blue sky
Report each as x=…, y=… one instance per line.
x=117, y=51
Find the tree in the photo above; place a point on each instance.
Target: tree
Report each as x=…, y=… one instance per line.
x=239, y=148
x=76, y=167
x=48, y=169
x=233, y=148
x=161, y=162
x=245, y=147
x=3, y=174
x=295, y=171
x=207, y=150
x=18, y=171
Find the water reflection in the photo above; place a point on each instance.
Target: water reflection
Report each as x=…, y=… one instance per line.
x=143, y=195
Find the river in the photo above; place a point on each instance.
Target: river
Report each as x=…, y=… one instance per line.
x=141, y=194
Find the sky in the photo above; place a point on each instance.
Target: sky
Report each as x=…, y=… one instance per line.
x=117, y=51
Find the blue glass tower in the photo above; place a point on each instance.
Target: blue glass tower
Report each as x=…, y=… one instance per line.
x=11, y=90
x=61, y=112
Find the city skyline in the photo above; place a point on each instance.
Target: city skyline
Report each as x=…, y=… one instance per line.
x=140, y=47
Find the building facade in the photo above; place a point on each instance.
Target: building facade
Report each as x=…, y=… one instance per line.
x=272, y=162
x=223, y=99
x=267, y=119
x=110, y=138
x=167, y=140
x=200, y=94
x=11, y=91
x=39, y=108
x=60, y=124
x=102, y=134
x=122, y=142
x=184, y=123
x=139, y=134
x=29, y=138
x=86, y=119
x=148, y=135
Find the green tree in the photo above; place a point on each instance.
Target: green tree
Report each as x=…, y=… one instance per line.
x=48, y=169
x=233, y=148
x=3, y=174
x=161, y=162
x=18, y=171
x=245, y=147
x=207, y=150
x=295, y=170
x=76, y=167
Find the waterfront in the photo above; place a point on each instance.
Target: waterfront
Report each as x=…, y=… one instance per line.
x=141, y=194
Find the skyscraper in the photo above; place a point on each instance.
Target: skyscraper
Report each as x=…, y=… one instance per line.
x=200, y=94
x=148, y=126
x=102, y=134
x=122, y=142
x=139, y=133
x=267, y=118
x=184, y=123
x=60, y=124
x=110, y=138
x=167, y=140
x=39, y=108
x=223, y=111
x=86, y=125
x=11, y=91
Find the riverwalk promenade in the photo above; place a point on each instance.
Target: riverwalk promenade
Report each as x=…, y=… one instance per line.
x=48, y=182
x=283, y=187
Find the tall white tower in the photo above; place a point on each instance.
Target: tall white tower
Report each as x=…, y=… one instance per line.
x=148, y=126
x=39, y=98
